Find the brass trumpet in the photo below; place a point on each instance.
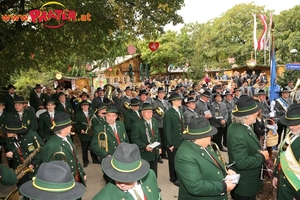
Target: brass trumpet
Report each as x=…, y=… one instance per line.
x=160, y=111
x=221, y=158
x=109, y=91
x=103, y=143
x=127, y=105
x=61, y=153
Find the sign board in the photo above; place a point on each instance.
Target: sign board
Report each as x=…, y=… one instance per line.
x=294, y=66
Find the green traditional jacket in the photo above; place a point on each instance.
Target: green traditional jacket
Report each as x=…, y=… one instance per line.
x=243, y=149
x=8, y=101
x=141, y=133
x=7, y=176
x=97, y=121
x=68, y=109
x=130, y=116
x=111, y=139
x=45, y=125
x=81, y=124
x=285, y=189
x=173, y=127
x=28, y=119
x=35, y=101
x=3, y=121
x=57, y=144
x=149, y=187
x=198, y=175
x=27, y=146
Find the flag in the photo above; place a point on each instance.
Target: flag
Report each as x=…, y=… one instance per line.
x=254, y=31
x=272, y=66
x=268, y=40
x=261, y=42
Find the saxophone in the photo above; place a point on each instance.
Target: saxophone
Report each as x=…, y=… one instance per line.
x=23, y=168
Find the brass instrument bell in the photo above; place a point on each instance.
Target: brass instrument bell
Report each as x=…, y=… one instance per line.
x=103, y=143
x=109, y=91
x=60, y=153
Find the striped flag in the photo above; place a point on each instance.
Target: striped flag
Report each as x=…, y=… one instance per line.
x=261, y=42
x=254, y=31
x=272, y=65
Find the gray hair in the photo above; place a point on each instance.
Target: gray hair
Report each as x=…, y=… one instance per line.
x=239, y=120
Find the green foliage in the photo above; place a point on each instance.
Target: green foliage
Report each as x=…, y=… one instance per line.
x=288, y=75
x=25, y=81
x=29, y=45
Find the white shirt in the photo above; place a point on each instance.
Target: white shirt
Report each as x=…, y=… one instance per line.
x=138, y=188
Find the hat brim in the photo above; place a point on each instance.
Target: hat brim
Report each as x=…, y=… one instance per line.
x=241, y=114
x=125, y=177
x=21, y=130
x=28, y=190
x=176, y=98
x=188, y=136
x=57, y=128
x=23, y=102
x=134, y=104
x=214, y=95
x=110, y=111
x=283, y=120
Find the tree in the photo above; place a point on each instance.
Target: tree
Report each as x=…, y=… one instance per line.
x=27, y=45
x=287, y=36
x=167, y=53
x=229, y=36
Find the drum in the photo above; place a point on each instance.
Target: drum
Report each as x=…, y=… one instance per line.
x=39, y=112
x=272, y=135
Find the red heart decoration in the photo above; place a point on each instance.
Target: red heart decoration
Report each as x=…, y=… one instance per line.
x=153, y=46
x=131, y=49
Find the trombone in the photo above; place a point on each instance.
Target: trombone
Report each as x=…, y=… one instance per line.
x=103, y=143
x=60, y=153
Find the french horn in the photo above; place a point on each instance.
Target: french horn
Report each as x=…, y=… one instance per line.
x=160, y=111
x=127, y=105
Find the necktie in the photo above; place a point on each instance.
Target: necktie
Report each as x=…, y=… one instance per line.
x=64, y=105
x=136, y=194
x=18, y=147
x=52, y=117
x=116, y=134
x=21, y=116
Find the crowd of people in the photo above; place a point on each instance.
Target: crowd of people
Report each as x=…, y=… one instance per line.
x=130, y=130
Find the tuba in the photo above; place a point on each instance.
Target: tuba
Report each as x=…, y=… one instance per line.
x=160, y=111
x=103, y=143
x=294, y=91
x=61, y=153
x=109, y=91
x=127, y=105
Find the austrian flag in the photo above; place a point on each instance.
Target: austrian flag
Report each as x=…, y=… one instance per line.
x=262, y=39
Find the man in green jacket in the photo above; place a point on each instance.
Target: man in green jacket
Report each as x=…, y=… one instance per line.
x=9, y=98
x=36, y=99
x=46, y=120
x=144, y=133
x=132, y=115
x=244, y=149
x=132, y=177
x=61, y=147
x=27, y=117
x=173, y=124
x=23, y=145
x=110, y=135
x=287, y=170
x=199, y=169
x=83, y=127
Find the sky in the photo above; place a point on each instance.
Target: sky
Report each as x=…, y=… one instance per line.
x=202, y=11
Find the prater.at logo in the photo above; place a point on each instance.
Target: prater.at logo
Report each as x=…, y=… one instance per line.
x=51, y=15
